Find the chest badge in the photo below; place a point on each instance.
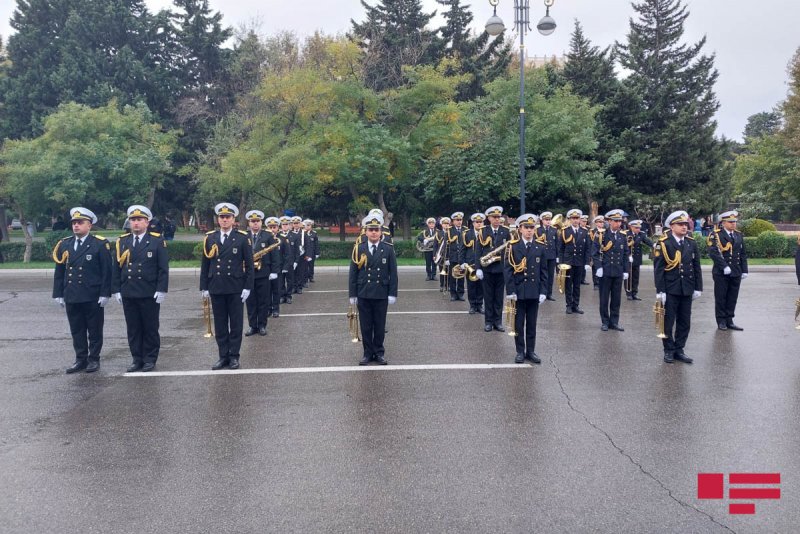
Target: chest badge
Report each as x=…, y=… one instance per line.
x=88, y=257
x=149, y=253
x=383, y=260
x=234, y=250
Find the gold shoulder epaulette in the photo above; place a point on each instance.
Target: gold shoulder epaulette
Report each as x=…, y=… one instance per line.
x=154, y=234
x=101, y=238
x=211, y=232
x=663, y=237
x=689, y=237
x=513, y=241
x=242, y=232
x=125, y=235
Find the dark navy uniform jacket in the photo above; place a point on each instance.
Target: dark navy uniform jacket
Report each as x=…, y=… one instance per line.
x=144, y=268
x=574, y=247
x=83, y=275
x=551, y=247
x=485, y=234
x=467, y=250
x=727, y=251
x=452, y=248
x=230, y=267
x=677, y=275
x=270, y=262
x=531, y=282
x=312, y=244
x=635, y=243
x=611, y=253
x=377, y=278
x=288, y=256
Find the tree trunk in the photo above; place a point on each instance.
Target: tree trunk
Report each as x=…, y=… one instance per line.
x=342, y=233
x=151, y=197
x=3, y=225
x=406, y=222
x=26, y=258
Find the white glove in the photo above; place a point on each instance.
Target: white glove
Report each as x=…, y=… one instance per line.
x=744, y=275
x=600, y=272
x=308, y=258
x=463, y=266
x=316, y=257
x=447, y=263
x=624, y=276
x=102, y=301
x=294, y=265
x=392, y=299
x=512, y=297
x=542, y=298
x=159, y=296
x=204, y=293
x=630, y=258
x=245, y=294
x=353, y=300
x=59, y=301
x=558, y=260
x=118, y=297
x=284, y=271
x=273, y=276
x=662, y=297
x=696, y=295
x=726, y=271
x=588, y=268
x=479, y=274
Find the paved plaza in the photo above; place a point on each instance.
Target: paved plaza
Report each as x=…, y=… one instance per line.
x=449, y=437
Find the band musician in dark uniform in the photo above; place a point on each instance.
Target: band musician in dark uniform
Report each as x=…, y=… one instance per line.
x=575, y=250
x=287, y=272
x=467, y=258
x=725, y=247
x=611, y=257
x=312, y=250
x=526, y=284
x=226, y=276
x=427, y=240
x=140, y=283
x=492, y=239
x=676, y=267
x=547, y=233
x=266, y=265
x=454, y=254
x=82, y=284
x=635, y=239
x=372, y=287
x=284, y=264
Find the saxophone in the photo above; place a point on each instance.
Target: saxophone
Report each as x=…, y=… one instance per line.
x=263, y=252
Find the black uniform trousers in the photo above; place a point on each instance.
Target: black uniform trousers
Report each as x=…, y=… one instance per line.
x=228, y=323
x=142, y=320
x=595, y=280
x=275, y=294
x=310, y=269
x=259, y=303
x=287, y=283
x=372, y=319
x=610, y=292
x=572, y=286
x=430, y=267
x=634, y=285
x=86, y=326
x=678, y=314
x=456, y=286
x=726, y=293
x=475, y=293
x=551, y=271
x=525, y=325
x=493, y=293
x=300, y=274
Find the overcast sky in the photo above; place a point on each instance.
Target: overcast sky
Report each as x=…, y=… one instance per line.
x=752, y=39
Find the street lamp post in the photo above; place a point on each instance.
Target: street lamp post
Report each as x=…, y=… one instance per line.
x=522, y=23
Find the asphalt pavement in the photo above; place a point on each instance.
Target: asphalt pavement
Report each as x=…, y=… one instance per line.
x=601, y=437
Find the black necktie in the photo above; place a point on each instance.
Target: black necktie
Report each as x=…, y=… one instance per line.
x=78, y=244
x=372, y=250
x=136, y=242
x=223, y=238
x=527, y=246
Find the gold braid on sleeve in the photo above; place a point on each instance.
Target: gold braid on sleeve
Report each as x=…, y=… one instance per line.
x=360, y=261
x=64, y=255
x=124, y=257
x=670, y=263
x=518, y=267
x=209, y=253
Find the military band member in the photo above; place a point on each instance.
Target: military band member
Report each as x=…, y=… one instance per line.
x=265, y=270
x=526, y=284
x=490, y=238
x=595, y=233
x=226, y=277
x=386, y=234
x=454, y=254
x=442, y=244
x=611, y=257
x=726, y=250
x=575, y=250
x=312, y=252
x=635, y=239
x=284, y=264
x=428, y=239
x=82, y=284
x=467, y=258
x=547, y=233
x=585, y=226
x=300, y=253
x=373, y=286
x=676, y=267
x=287, y=273
x=140, y=282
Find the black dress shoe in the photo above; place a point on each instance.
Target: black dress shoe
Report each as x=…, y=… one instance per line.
x=604, y=328
x=75, y=367
x=250, y=331
x=500, y=328
x=288, y=300
x=551, y=298
x=519, y=358
x=481, y=310
x=487, y=328
x=233, y=363
x=596, y=288
x=311, y=280
x=681, y=357
x=299, y=291
x=93, y=366
x=584, y=283
x=365, y=360
x=532, y=356
x=453, y=298
x=380, y=360
x=221, y=364
x=569, y=311
x=146, y=368
x=722, y=326
x=630, y=297
x=668, y=357
x=732, y=326
x=262, y=331
x=283, y=300
x=276, y=314
x=636, y=297
x=135, y=367
x=577, y=310
x=472, y=310
x=616, y=327
x=460, y=297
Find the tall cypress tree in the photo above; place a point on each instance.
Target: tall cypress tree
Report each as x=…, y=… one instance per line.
x=672, y=154
x=394, y=34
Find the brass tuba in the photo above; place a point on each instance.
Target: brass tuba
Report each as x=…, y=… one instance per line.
x=558, y=222
x=427, y=243
x=561, y=277
x=658, y=312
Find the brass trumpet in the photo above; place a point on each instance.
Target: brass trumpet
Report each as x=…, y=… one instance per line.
x=458, y=273
x=561, y=277
x=207, y=316
x=510, y=316
x=352, y=318
x=658, y=312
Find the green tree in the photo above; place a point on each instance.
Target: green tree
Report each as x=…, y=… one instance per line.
x=763, y=124
x=767, y=177
x=791, y=107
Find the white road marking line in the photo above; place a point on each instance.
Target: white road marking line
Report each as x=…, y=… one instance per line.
x=346, y=290
x=343, y=314
x=339, y=369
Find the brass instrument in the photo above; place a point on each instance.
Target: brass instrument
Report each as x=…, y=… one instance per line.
x=658, y=312
x=493, y=256
x=440, y=251
x=458, y=273
x=513, y=229
x=263, y=252
x=797, y=312
x=352, y=318
x=427, y=243
x=207, y=316
x=628, y=284
x=558, y=222
x=561, y=276
x=510, y=316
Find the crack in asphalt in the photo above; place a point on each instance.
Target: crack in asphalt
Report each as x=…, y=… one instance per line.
x=622, y=451
x=13, y=294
